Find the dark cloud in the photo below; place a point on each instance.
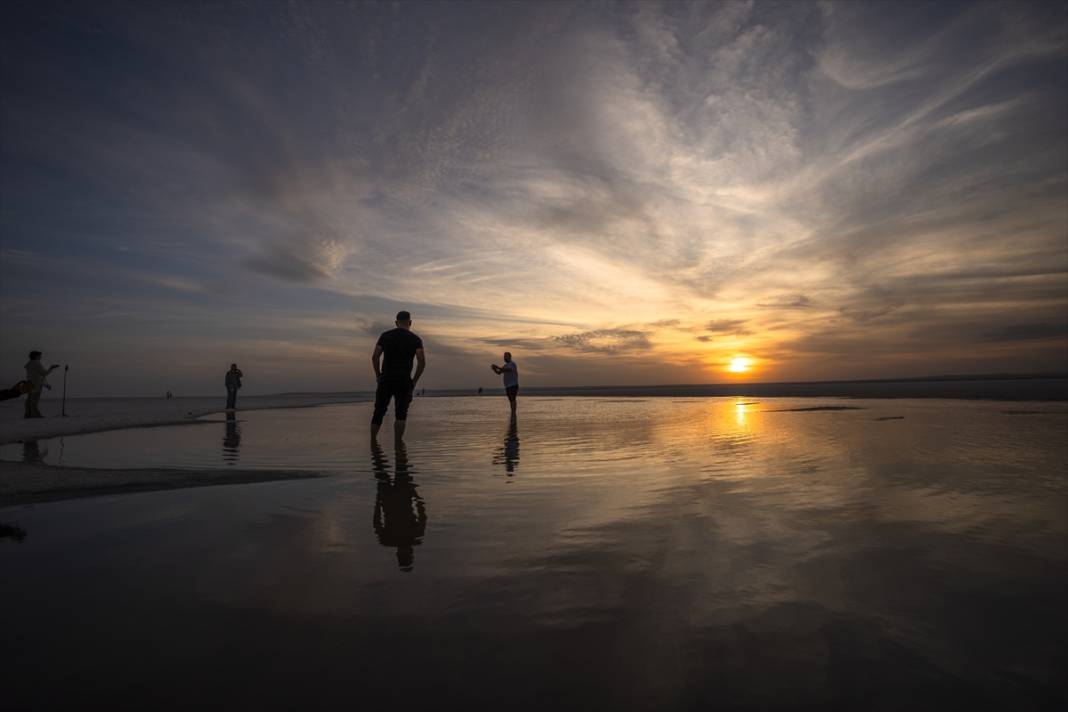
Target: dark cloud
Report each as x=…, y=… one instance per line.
x=283, y=263
x=373, y=328
x=865, y=315
x=1025, y=332
x=728, y=326
x=519, y=343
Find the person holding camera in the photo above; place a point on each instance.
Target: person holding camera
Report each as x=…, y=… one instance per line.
x=510, y=373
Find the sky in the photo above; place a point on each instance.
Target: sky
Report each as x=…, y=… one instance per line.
x=616, y=193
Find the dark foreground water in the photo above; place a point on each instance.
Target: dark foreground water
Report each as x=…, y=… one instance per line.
x=602, y=554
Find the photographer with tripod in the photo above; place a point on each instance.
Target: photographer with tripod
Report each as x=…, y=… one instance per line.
x=37, y=375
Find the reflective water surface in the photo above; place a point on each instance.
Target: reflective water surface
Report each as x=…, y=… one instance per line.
x=724, y=553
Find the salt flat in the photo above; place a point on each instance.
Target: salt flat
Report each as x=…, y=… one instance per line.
x=86, y=415
x=600, y=553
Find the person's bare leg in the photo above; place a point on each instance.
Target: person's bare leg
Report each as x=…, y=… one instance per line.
x=398, y=429
x=374, y=431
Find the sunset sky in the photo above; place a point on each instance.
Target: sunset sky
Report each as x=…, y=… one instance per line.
x=616, y=193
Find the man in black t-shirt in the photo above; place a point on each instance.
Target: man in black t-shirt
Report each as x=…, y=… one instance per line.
x=392, y=360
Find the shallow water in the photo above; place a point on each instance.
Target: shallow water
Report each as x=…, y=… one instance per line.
x=604, y=553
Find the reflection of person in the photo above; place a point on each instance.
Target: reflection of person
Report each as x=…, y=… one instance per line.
x=510, y=372
x=392, y=361
x=233, y=385
x=13, y=531
x=31, y=451
x=37, y=375
x=508, y=453
x=400, y=513
x=232, y=440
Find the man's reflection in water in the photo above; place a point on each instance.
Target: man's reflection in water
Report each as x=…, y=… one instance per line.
x=232, y=441
x=31, y=451
x=508, y=453
x=400, y=514
x=13, y=531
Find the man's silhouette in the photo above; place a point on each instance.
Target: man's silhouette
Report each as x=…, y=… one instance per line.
x=392, y=361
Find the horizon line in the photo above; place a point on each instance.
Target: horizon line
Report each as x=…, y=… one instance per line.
x=1008, y=376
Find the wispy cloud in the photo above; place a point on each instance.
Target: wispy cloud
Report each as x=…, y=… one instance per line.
x=796, y=181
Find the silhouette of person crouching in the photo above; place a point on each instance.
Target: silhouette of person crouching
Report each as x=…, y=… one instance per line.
x=400, y=513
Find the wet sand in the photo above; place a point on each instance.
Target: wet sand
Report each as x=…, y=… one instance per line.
x=23, y=483
x=643, y=555
x=91, y=415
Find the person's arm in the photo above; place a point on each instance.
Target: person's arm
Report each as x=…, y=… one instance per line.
x=496, y=368
x=420, y=358
x=376, y=361
x=51, y=368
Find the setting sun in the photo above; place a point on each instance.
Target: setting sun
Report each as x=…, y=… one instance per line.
x=740, y=364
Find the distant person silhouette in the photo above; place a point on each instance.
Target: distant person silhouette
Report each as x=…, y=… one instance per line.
x=37, y=375
x=510, y=372
x=232, y=439
x=508, y=453
x=233, y=385
x=392, y=361
x=400, y=513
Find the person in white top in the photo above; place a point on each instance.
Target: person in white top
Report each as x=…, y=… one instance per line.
x=510, y=372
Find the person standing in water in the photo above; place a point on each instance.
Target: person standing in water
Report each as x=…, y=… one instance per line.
x=37, y=375
x=510, y=372
x=392, y=361
x=233, y=384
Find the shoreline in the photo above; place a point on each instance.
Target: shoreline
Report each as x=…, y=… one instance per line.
x=31, y=483
x=165, y=413
x=20, y=430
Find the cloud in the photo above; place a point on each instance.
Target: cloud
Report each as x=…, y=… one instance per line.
x=599, y=341
x=1026, y=332
x=606, y=341
x=798, y=301
x=282, y=262
x=727, y=326
x=830, y=176
x=863, y=316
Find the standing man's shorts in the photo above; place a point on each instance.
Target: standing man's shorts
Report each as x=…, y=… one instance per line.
x=401, y=393
x=511, y=392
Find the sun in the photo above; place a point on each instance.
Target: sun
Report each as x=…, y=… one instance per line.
x=740, y=364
